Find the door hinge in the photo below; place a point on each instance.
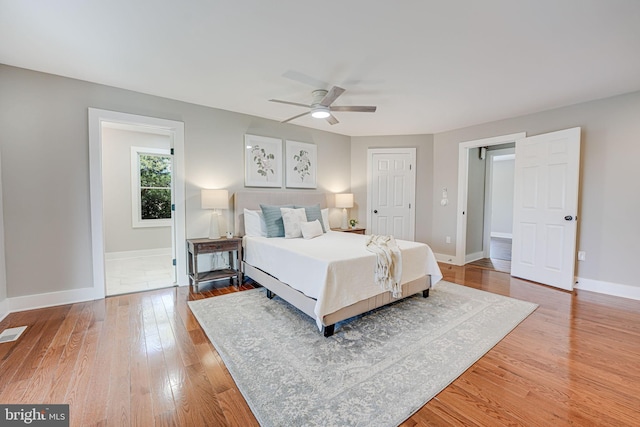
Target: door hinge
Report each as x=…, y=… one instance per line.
x=172, y=152
x=410, y=166
x=174, y=261
x=409, y=205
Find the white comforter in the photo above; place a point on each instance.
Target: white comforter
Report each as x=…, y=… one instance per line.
x=336, y=268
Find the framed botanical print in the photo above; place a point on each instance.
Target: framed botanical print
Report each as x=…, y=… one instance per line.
x=262, y=161
x=301, y=162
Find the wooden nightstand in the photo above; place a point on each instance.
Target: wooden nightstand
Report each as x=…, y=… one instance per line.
x=208, y=246
x=351, y=230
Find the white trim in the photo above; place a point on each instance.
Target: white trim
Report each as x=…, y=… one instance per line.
x=473, y=257
x=447, y=259
x=463, y=170
x=4, y=309
x=608, y=288
x=136, y=213
x=411, y=151
x=32, y=302
x=502, y=235
x=176, y=131
x=137, y=254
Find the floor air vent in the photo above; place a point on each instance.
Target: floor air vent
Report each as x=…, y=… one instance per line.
x=11, y=334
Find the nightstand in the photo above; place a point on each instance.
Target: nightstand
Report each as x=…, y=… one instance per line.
x=196, y=247
x=351, y=230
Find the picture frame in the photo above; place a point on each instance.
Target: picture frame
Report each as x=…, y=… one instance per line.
x=262, y=161
x=301, y=162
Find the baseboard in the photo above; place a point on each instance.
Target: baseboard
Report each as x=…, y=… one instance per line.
x=473, y=257
x=608, y=288
x=32, y=302
x=137, y=254
x=447, y=259
x=4, y=309
x=502, y=235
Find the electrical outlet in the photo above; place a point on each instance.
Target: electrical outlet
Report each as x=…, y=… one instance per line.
x=582, y=255
x=448, y=239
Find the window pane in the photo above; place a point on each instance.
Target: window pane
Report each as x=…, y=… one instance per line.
x=155, y=203
x=155, y=171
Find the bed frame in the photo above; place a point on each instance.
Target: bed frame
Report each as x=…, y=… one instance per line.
x=251, y=200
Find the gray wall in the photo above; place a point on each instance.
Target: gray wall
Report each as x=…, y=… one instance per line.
x=120, y=236
x=424, y=176
x=609, y=202
x=502, y=197
x=475, y=201
x=45, y=168
x=3, y=275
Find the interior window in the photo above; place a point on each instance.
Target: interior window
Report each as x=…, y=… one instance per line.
x=151, y=187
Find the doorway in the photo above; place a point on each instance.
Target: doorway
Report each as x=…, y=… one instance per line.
x=468, y=151
x=103, y=119
x=497, y=224
x=137, y=192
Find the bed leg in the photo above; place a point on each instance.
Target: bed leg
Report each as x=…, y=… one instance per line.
x=425, y=293
x=329, y=330
x=270, y=294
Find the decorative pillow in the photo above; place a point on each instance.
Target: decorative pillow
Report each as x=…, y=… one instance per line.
x=292, y=219
x=273, y=219
x=254, y=223
x=311, y=229
x=313, y=213
x=325, y=219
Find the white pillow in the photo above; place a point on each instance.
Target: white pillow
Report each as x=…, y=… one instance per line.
x=311, y=229
x=254, y=224
x=325, y=218
x=292, y=218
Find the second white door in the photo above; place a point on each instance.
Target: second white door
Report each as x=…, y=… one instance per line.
x=546, y=208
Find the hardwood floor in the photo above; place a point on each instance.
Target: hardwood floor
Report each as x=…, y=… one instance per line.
x=142, y=360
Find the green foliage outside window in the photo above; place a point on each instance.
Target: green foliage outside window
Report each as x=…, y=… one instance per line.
x=155, y=186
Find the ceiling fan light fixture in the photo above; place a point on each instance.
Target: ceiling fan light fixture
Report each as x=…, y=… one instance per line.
x=320, y=112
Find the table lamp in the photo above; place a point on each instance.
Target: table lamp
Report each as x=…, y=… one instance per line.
x=344, y=201
x=214, y=199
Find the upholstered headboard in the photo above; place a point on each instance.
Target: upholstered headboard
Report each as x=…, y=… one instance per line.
x=252, y=199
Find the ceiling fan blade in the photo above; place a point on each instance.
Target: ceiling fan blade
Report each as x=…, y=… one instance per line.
x=332, y=120
x=331, y=96
x=295, y=117
x=358, y=108
x=290, y=103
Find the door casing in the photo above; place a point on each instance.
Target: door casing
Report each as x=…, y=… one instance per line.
x=176, y=130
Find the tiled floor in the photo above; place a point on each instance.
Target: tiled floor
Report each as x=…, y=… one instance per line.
x=125, y=275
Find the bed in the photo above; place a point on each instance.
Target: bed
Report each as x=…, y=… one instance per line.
x=330, y=277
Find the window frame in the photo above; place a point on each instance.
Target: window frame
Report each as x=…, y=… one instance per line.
x=136, y=202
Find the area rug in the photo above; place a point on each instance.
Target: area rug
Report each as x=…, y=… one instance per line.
x=378, y=368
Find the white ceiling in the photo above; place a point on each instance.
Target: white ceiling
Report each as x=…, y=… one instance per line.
x=428, y=65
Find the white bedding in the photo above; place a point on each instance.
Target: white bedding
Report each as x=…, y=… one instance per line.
x=336, y=268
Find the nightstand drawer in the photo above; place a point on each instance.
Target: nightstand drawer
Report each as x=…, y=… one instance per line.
x=217, y=246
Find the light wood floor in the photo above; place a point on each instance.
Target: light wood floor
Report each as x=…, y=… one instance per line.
x=143, y=360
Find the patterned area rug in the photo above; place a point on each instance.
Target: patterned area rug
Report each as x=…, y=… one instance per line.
x=377, y=370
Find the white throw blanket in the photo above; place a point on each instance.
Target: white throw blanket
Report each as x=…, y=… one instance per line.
x=388, y=273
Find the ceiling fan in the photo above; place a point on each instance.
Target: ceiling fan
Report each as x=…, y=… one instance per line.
x=321, y=107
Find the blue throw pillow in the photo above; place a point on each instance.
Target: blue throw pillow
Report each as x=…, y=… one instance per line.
x=313, y=213
x=273, y=219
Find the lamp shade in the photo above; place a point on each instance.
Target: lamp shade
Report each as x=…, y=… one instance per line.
x=214, y=199
x=344, y=200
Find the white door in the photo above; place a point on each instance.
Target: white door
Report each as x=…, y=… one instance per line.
x=546, y=208
x=392, y=192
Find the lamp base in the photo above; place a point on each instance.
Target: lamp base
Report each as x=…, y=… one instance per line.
x=345, y=223
x=214, y=226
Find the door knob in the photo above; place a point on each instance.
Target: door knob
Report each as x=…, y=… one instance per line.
x=375, y=211
x=568, y=218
